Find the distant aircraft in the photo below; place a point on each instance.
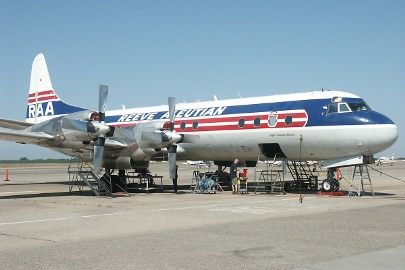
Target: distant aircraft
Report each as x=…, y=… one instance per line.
x=387, y=160
x=200, y=163
x=318, y=125
x=272, y=162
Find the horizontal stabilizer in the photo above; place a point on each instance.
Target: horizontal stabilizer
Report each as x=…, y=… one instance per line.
x=13, y=124
x=23, y=136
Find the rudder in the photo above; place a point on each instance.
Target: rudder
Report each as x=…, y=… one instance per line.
x=43, y=102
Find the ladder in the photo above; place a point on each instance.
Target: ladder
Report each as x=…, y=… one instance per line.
x=303, y=174
x=84, y=174
x=361, y=177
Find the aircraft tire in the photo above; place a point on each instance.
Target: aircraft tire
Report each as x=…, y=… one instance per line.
x=327, y=185
x=287, y=187
x=115, y=179
x=336, y=185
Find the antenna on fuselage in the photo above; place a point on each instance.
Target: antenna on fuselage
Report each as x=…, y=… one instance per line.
x=215, y=98
x=240, y=96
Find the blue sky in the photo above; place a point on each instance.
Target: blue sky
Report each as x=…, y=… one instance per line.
x=149, y=50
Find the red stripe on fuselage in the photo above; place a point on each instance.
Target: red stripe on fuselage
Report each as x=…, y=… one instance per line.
x=224, y=123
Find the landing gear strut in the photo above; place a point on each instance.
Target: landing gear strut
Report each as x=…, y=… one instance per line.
x=330, y=184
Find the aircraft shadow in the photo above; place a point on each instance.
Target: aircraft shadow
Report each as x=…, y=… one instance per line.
x=47, y=195
x=39, y=183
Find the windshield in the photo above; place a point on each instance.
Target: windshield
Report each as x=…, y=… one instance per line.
x=359, y=106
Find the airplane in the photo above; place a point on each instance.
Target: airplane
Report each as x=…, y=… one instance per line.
x=316, y=125
x=387, y=160
x=277, y=163
x=199, y=163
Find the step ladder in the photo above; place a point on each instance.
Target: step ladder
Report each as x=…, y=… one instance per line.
x=360, y=180
x=82, y=174
x=270, y=180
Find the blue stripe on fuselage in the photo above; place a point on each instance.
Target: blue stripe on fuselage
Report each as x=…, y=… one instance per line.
x=317, y=114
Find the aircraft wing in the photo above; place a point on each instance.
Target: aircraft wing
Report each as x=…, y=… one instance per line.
x=13, y=124
x=23, y=136
x=29, y=137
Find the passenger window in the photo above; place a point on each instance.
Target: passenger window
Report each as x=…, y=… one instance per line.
x=195, y=125
x=256, y=122
x=183, y=125
x=332, y=108
x=272, y=120
x=288, y=120
x=241, y=123
x=343, y=107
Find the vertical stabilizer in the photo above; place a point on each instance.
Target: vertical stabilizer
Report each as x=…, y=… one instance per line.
x=43, y=102
x=40, y=80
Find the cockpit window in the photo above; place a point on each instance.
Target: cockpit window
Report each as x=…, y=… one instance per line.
x=340, y=107
x=343, y=107
x=333, y=108
x=359, y=106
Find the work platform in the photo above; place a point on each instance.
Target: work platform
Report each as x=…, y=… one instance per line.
x=143, y=182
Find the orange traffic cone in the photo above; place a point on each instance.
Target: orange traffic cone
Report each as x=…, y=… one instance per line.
x=6, y=176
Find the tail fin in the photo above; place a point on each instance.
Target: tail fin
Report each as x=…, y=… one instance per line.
x=43, y=102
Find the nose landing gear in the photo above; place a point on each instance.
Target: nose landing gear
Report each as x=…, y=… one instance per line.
x=330, y=183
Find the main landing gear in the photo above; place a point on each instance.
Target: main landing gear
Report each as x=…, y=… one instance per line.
x=330, y=183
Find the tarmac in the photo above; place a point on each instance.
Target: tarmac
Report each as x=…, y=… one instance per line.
x=43, y=226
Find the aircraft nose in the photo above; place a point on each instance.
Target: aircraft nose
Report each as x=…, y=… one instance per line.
x=380, y=131
x=391, y=134
x=385, y=135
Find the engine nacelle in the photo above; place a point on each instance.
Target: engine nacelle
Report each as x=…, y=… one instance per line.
x=154, y=125
x=125, y=163
x=117, y=163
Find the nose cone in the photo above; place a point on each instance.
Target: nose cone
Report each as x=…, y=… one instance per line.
x=390, y=135
x=384, y=133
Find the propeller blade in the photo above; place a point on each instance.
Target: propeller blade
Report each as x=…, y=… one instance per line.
x=171, y=156
x=172, y=110
x=102, y=100
x=98, y=154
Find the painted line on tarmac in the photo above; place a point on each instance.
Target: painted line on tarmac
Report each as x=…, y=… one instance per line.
x=58, y=219
x=223, y=204
x=18, y=192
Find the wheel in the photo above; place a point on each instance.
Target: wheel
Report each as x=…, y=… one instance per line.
x=336, y=185
x=287, y=187
x=115, y=179
x=327, y=185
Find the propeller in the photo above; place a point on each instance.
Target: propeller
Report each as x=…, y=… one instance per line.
x=172, y=148
x=100, y=140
